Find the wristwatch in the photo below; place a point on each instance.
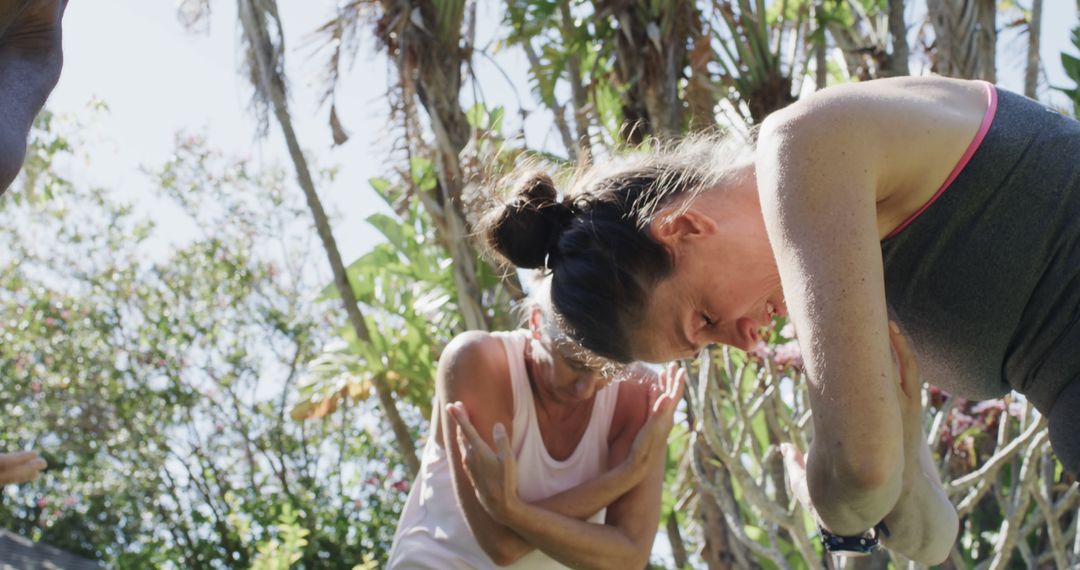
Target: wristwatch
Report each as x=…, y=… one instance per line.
x=861, y=544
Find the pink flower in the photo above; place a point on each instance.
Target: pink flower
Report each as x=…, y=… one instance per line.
x=401, y=486
x=788, y=331
x=42, y=502
x=988, y=405
x=70, y=502
x=788, y=354
x=761, y=351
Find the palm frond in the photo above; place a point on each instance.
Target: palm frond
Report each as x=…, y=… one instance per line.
x=263, y=40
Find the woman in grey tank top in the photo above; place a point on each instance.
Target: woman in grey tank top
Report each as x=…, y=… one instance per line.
x=946, y=205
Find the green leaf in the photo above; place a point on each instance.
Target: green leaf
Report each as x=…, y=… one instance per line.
x=382, y=187
x=495, y=119
x=1071, y=65
x=423, y=173
x=476, y=115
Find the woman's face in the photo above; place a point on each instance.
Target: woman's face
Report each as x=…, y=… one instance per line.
x=566, y=374
x=698, y=305
x=724, y=289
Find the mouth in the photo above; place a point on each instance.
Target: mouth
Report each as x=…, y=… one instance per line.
x=776, y=308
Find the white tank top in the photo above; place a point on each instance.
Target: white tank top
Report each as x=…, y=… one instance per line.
x=433, y=534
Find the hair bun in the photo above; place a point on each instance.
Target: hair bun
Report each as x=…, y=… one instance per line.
x=527, y=230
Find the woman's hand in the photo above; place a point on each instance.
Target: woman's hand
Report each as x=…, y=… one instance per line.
x=493, y=473
x=795, y=467
x=910, y=388
x=651, y=439
x=20, y=467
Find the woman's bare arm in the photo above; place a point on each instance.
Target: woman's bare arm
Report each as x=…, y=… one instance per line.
x=817, y=179
x=626, y=538
x=835, y=173
x=625, y=541
x=923, y=523
x=472, y=371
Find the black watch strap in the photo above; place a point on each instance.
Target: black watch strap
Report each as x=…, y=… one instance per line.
x=864, y=543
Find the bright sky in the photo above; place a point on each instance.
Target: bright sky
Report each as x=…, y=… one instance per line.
x=159, y=79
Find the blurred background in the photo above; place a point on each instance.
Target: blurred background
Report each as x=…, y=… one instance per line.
x=173, y=339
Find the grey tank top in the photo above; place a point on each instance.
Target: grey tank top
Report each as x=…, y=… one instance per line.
x=985, y=281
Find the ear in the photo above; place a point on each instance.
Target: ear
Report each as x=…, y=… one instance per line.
x=673, y=226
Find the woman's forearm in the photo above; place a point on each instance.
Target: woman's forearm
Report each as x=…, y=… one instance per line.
x=588, y=498
x=579, y=502
x=576, y=543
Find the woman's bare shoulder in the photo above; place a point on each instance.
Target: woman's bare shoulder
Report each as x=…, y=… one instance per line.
x=474, y=361
x=900, y=136
x=631, y=407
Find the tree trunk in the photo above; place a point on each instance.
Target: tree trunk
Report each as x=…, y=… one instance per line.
x=678, y=547
x=574, y=78
x=898, y=59
x=431, y=60
x=650, y=56
x=1031, y=72
x=271, y=83
x=821, y=54
x=701, y=95
x=722, y=551
x=965, y=38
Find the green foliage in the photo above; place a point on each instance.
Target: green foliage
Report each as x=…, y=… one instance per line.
x=281, y=553
x=156, y=377
x=1071, y=63
x=408, y=294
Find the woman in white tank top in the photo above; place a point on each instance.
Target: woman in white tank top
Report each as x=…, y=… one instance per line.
x=536, y=459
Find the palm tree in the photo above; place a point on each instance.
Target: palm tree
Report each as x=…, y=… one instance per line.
x=265, y=51
x=965, y=38
x=1031, y=70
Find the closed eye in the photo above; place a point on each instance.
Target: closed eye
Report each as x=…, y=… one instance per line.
x=709, y=323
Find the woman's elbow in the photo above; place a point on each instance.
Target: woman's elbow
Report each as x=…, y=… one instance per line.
x=871, y=469
x=503, y=560
x=879, y=477
x=637, y=553
x=503, y=553
x=851, y=501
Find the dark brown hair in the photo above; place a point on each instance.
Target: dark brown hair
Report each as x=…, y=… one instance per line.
x=595, y=240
